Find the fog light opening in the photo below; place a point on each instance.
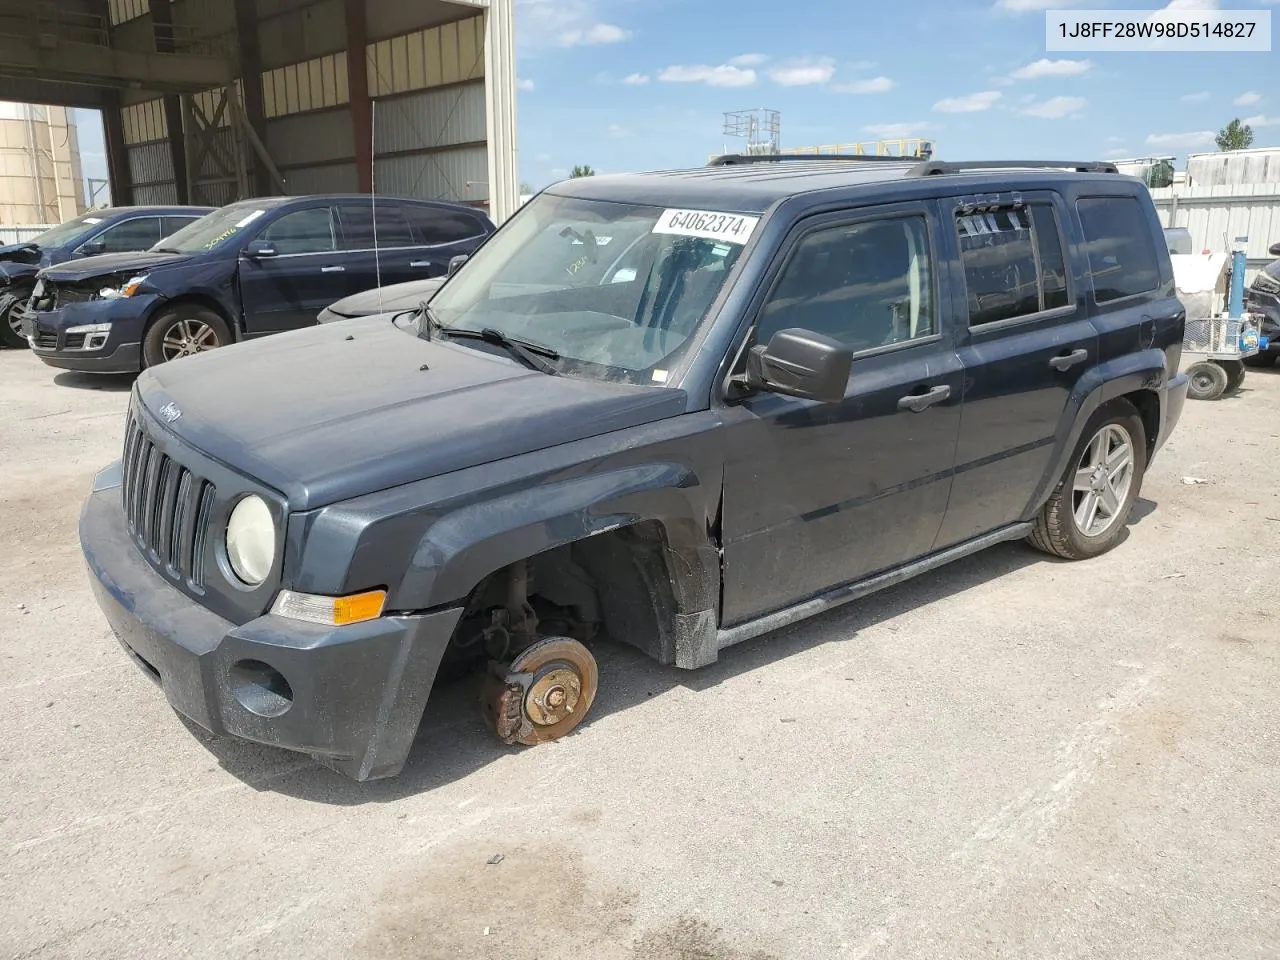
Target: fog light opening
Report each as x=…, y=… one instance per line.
x=260, y=689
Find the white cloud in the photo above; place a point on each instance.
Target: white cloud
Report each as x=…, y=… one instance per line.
x=749, y=60
x=636, y=79
x=1176, y=5
x=525, y=85
x=970, y=103
x=896, y=131
x=618, y=131
x=1261, y=120
x=1198, y=138
x=1199, y=97
x=804, y=72
x=1030, y=6
x=871, y=85
x=594, y=35
x=1115, y=153
x=1055, y=108
x=724, y=75
x=1045, y=67
x=1250, y=98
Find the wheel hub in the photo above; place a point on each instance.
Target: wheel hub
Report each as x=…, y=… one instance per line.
x=553, y=695
x=542, y=694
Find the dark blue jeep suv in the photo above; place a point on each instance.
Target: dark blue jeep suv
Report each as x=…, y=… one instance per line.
x=113, y=230
x=250, y=268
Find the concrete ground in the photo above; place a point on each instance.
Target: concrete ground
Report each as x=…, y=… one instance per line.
x=1012, y=757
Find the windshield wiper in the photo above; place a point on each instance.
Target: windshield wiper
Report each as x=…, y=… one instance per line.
x=533, y=355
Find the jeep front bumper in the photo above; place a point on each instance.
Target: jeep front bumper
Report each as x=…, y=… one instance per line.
x=352, y=697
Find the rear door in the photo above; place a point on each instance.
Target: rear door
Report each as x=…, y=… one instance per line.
x=821, y=494
x=1028, y=341
x=306, y=273
x=382, y=255
x=439, y=235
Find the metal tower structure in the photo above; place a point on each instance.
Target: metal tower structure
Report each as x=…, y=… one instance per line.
x=760, y=127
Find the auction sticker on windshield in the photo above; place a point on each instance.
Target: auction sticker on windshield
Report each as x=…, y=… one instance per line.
x=708, y=224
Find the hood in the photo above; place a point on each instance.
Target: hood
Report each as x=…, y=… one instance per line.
x=112, y=263
x=332, y=412
x=394, y=297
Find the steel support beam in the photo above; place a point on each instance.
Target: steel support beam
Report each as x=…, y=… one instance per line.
x=162, y=23
x=358, y=88
x=251, y=70
x=117, y=156
x=500, y=108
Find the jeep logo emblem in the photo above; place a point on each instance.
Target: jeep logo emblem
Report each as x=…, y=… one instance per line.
x=171, y=412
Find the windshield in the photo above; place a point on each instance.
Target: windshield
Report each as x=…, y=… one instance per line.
x=68, y=232
x=214, y=229
x=618, y=290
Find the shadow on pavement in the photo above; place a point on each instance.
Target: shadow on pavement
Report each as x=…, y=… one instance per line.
x=111, y=382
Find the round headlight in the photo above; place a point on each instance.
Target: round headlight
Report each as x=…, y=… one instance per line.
x=251, y=540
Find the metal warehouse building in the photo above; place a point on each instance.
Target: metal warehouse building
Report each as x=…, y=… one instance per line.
x=207, y=101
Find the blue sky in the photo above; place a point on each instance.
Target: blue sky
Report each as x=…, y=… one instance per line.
x=641, y=84
x=626, y=85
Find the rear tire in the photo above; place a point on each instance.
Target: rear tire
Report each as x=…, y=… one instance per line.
x=182, y=331
x=1208, y=381
x=1086, y=514
x=9, y=335
x=1263, y=360
x=1235, y=373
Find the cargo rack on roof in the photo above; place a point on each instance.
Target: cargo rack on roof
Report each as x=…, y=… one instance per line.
x=733, y=159
x=933, y=168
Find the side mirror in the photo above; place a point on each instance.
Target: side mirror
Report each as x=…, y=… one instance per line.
x=1274, y=250
x=455, y=263
x=91, y=248
x=800, y=363
x=260, y=249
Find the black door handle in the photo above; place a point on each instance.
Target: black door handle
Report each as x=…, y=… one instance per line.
x=917, y=402
x=1068, y=360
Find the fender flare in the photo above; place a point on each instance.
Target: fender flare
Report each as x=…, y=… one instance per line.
x=681, y=569
x=1130, y=373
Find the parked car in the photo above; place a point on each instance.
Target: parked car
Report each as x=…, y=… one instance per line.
x=392, y=298
x=113, y=230
x=789, y=384
x=1263, y=298
x=246, y=270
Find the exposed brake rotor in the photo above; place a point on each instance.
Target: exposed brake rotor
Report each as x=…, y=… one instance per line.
x=543, y=694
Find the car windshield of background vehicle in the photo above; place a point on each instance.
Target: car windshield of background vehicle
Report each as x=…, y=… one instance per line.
x=214, y=229
x=67, y=232
x=618, y=290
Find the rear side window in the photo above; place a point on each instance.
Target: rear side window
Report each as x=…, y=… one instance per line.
x=1117, y=236
x=305, y=231
x=866, y=285
x=432, y=225
x=357, y=225
x=139, y=234
x=1013, y=262
x=170, y=225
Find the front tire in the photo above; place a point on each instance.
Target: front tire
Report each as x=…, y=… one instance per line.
x=10, y=335
x=183, y=331
x=1086, y=514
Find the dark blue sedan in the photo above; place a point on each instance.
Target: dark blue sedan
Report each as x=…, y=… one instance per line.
x=113, y=230
x=248, y=269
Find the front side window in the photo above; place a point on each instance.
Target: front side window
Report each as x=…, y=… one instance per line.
x=304, y=231
x=138, y=234
x=866, y=285
x=1122, y=256
x=1013, y=262
x=620, y=291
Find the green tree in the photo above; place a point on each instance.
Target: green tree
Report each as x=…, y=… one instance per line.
x=1235, y=136
x=526, y=187
x=582, y=172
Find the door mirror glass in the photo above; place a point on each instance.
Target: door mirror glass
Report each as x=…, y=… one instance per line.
x=800, y=363
x=91, y=248
x=1274, y=250
x=455, y=263
x=259, y=249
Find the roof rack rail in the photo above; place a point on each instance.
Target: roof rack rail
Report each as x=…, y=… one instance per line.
x=733, y=159
x=934, y=168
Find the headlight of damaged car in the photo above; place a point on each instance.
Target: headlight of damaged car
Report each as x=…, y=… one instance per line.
x=126, y=289
x=251, y=540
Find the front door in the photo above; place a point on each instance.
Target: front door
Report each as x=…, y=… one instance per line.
x=817, y=495
x=305, y=273
x=1028, y=341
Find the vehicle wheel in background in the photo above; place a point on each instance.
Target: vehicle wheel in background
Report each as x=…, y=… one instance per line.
x=1265, y=359
x=1086, y=514
x=1208, y=381
x=1235, y=373
x=182, y=332
x=10, y=335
